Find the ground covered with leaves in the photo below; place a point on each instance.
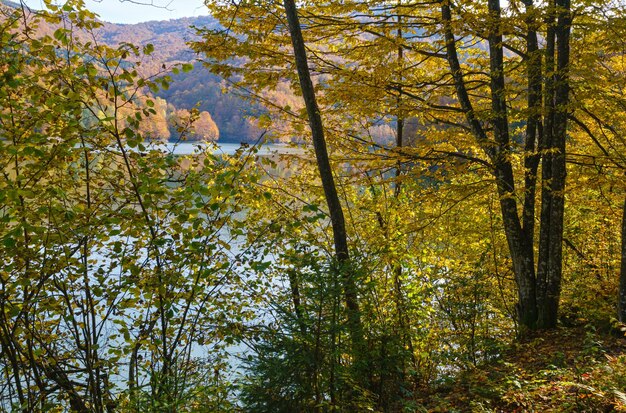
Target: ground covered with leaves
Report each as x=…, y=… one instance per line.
x=568, y=370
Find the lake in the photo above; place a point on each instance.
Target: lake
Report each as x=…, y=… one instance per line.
x=191, y=148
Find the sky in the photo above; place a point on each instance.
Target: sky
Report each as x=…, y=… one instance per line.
x=125, y=11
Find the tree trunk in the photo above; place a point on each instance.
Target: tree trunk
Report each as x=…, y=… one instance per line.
x=621, y=301
x=549, y=267
x=546, y=146
x=534, y=128
x=296, y=301
x=332, y=199
x=519, y=245
x=539, y=290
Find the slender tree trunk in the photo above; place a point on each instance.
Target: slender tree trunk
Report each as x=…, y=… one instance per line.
x=621, y=302
x=534, y=129
x=527, y=309
x=403, y=319
x=296, y=301
x=332, y=199
x=400, y=115
x=551, y=235
x=545, y=146
x=520, y=247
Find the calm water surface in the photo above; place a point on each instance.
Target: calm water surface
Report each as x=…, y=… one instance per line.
x=190, y=148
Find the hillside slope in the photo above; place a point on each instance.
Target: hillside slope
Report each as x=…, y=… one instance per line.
x=198, y=88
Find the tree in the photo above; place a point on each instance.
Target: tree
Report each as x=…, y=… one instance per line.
x=154, y=127
x=205, y=128
x=335, y=209
x=118, y=288
x=195, y=125
x=538, y=290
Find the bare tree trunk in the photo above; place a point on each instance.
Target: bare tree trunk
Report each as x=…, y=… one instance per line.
x=534, y=128
x=519, y=241
x=545, y=145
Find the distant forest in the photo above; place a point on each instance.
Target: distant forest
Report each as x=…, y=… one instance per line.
x=233, y=114
x=197, y=88
x=221, y=110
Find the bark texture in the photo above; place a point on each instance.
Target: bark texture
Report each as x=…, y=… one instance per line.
x=538, y=289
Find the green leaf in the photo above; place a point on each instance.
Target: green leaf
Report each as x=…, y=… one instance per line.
x=60, y=34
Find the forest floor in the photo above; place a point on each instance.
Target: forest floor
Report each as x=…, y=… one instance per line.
x=567, y=370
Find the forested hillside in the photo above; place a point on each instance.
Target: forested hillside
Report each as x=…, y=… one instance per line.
x=231, y=109
x=231, y=113
x=450, y=237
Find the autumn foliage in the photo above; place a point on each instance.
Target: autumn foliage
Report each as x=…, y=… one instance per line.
x=446, y=237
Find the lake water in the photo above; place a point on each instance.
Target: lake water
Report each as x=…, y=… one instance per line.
x=190, y=148
x=237, y=351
